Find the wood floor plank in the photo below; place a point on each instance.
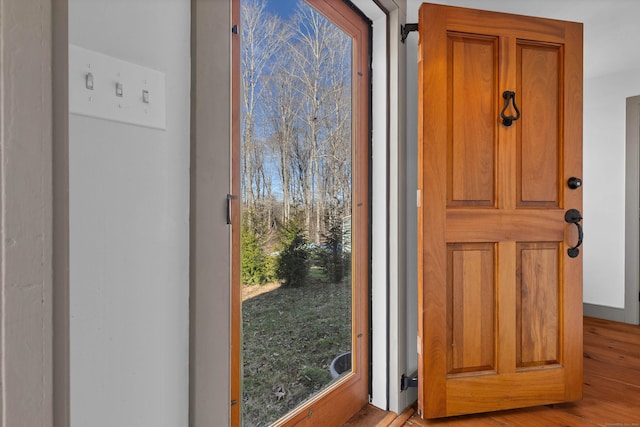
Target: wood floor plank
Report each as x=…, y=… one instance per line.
x=597, y=331
x=611, y=389
x=606, y=413
x=612, y=372
x=471, y=420
x=615, y=355
x=542, y=416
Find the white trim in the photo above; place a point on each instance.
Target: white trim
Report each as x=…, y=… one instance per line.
x=379, y=204
x=380, y=213
x=402, y=307
x=603, y=312
x=390, y=342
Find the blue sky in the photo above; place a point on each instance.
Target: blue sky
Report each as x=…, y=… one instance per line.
x=283, y=8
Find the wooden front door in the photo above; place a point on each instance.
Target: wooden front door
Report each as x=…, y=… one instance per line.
x=500, y=296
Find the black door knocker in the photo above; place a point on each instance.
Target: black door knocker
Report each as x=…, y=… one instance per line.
x=572, y=216
x=509, y=96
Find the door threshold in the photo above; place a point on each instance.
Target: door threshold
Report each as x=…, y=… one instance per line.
x=371, y=416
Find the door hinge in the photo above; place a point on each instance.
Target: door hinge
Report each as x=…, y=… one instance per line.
x=408, y=382
x=419, y=198
x=234, y=29
x=406, y=29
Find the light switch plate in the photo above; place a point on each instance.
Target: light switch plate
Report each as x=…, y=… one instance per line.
x=109, y=74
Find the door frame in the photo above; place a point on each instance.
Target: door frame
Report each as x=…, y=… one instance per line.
x=61, y=414
x=210, y=287
x=209, y=241
x=30, y=43
x=632, y=213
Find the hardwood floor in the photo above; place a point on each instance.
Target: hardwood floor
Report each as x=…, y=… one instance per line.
x=611, y=390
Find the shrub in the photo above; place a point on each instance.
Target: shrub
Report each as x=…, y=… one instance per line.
x=292, y=266
x=332, y=259
x=255, y=264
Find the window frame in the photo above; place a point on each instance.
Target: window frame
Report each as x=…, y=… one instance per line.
x=341, y=400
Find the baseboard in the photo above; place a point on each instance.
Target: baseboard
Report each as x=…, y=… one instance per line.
x=603, y=312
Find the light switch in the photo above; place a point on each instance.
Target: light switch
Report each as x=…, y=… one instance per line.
x=88, y=81
x=96, y=89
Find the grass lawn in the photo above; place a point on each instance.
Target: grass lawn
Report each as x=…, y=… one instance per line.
x=290, y=336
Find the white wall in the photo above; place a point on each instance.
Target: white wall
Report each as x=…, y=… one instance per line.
x=612, y=73
x=129, y=230
x=604, y=197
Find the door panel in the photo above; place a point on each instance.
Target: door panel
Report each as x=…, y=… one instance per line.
x=537, y=294
x=539, y=147
x=501, y=300
x=471, y=82
x=471, y=307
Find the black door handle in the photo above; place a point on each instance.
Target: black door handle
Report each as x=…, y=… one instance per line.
x=572, y=216
x=509, y=96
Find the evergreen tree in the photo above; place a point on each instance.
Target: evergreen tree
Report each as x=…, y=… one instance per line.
x=293, y=261
x=254, y=262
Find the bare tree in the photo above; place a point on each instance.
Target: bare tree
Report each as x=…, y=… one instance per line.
x=284, y=113
x=296, y=79
x=311, y=51
x=263, y=35
x=336, y=150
